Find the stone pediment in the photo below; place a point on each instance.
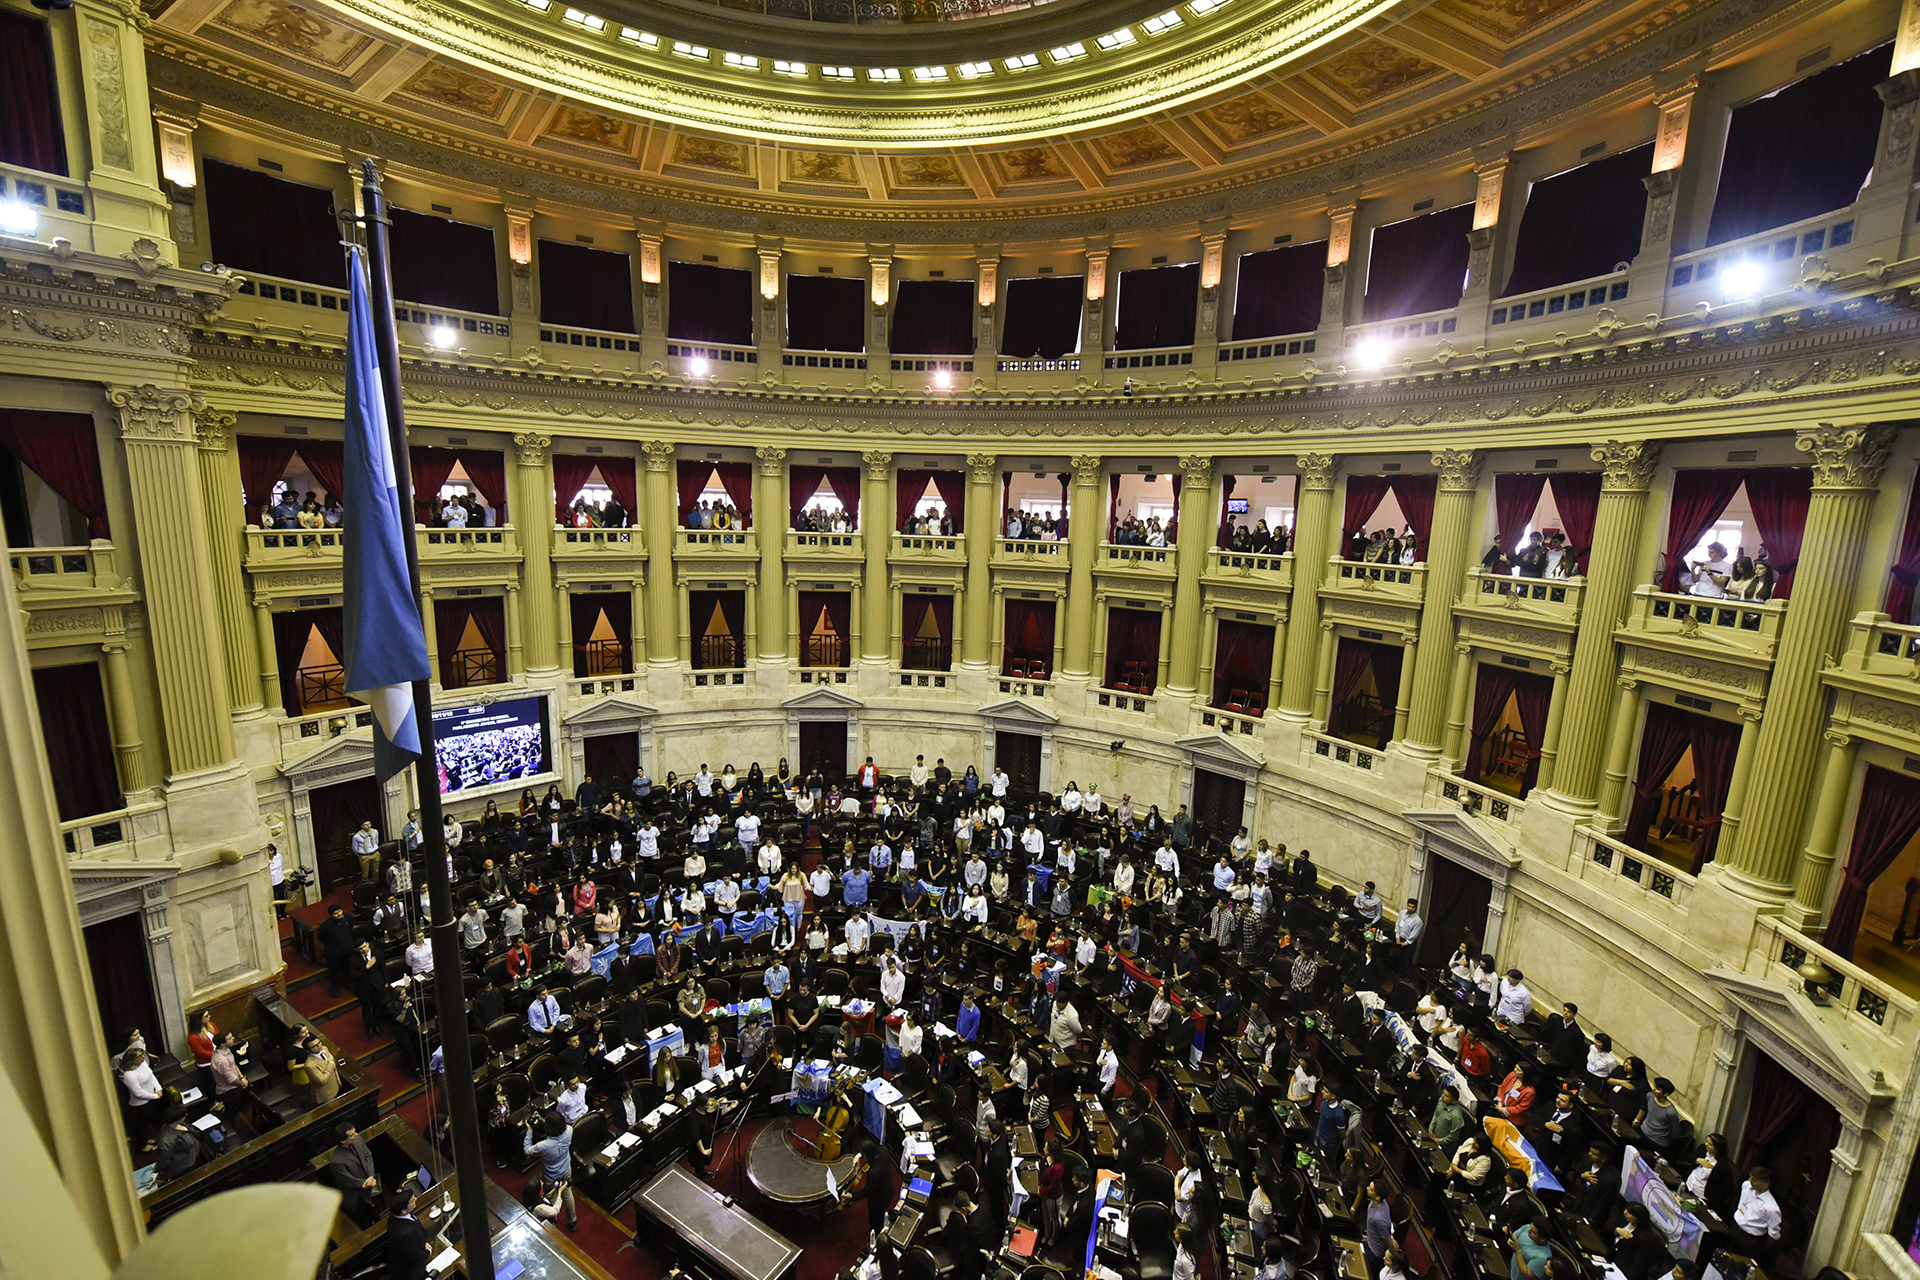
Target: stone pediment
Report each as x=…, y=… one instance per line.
x=821, y=698
x=1812, y=1042
x=1020, y=711
x=1219, y=749
x=106, y=891
x=608, y=710
x=1465, y=839
x=343, y=756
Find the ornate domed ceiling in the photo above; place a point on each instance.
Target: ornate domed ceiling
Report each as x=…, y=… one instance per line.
x=934, y=113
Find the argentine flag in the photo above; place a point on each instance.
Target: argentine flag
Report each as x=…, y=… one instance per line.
x=386, y=646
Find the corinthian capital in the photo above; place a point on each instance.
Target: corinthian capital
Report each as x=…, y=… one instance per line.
x=1196, y=473
x=1845, y=457
x=1086, y=472
x=773, y=461
x=215, y=427
x=1317, y=470
x=879, y=465
x=148, y=412
x=981, y=466
x=1627, y=465
x=1459, y=468
x=658, y=455
x=531, y=448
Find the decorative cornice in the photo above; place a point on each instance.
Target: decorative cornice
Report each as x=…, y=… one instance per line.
x=981, y=467
x=1459, y=469
x=215, y=428
x=1627, y=466
x=879, y=465
x=773, y=460
x=1196, y=473
x=1086, y=472
x=1845, y=457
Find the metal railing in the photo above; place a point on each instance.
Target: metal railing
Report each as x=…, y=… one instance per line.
x=717, y=653
x=1402, y=581
x=471, y=667
x=605, y=658
x=823, y=651
x=323, y=687
x=58, y=570
x=927, y=654
x=1444, y=790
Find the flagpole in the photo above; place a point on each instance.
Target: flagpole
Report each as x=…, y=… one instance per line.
x=450, y=997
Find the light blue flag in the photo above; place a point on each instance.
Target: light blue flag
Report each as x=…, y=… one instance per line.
x=386, y=646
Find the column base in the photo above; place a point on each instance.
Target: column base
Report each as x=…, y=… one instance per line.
x=1419, y=751
x=1802, y=919
x=1765, y=897
x=1574, y=806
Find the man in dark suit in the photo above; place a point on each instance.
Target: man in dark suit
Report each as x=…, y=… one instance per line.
x=407, y=1247
x=489, y=1002
x=1516, y=1208
x=1349, y=1014
x=1563, y=1134
x=337, y=948
x=1566, y=1039
x=1378, y=1049
x=1597, y=1186
x=351, y=1168
x=631, y=1016
x=624, y=972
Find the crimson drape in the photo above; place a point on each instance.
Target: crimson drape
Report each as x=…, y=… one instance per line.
x=1364, y=496
x=909, y=487
x=1350, y=662
x=845, y=483
x=733, y=614
x=1173, y=521
x=326, y=459
x=60, y=449
x=1492, y=686
x=431, y=467
x=265, y=225
x=1577, y=224
x=1576, y=496
x=1533, y=699
x=1227, y=484
x=490, y=618
x=1006, y=499
x=122, y=987
x=1417, y=265
x=1133, y=635
x=837, y=609
x=450, y=618
x=1780, y=496
x=1157, y=307
x=1386, y=674
x=1029, y=632
x=1242, y=659
x=1887, y=818
x=73, y=720
x=1516, y=496
x=1041, y=318
x=1415, y=494
x=737, y=479
x=913, y=616
x=826, y=313
x=622, y=476
x=1715, y=744
x=612, y=758
x=1906, y=571
x=338, y=811
x=1699, y=496
x=30, y=134
x=1663, y=742
x=953, y=492
x=913, y=619
x=263, y=462
x=691, y=480
x=586, y=608
x=570, y=472
x=290, y=632
x=1279, y=291
x=1113, y=505
x=1066, y=501
x=802, y=483
x=1780, y=1104
x=933, y=318
x=487, y=468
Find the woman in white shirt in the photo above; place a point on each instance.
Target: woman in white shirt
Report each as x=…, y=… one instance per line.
x=695, y=866
x=694, y=903
x=911, y=1036
x=143, y=1087
x=1123, y=875
x=1461, y=964
x=1262, y=858
x=1304, y=1084
x=1070, y=798
x=973, y=909
x=1186, y=1184
x=1091, y=805
x=1185, y=1265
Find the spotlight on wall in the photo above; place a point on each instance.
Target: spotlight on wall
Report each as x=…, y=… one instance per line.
x=1743, y=279
x=443, y=336
x=1127, y=389
x=18, y=218
x=697, y=366
x=1371, y=353
x=942, y=379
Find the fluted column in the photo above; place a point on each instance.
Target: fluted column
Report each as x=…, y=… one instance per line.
x=1618, y=743
x=1627, y=470
x=225, y=516
x=430, y=627
x=533, y=508
x=982, y=519
x=1403, y=705
x=563, y=638
x=1809, y=906
x=1084, y=518
x=1846, y=475
x=1314, y=510
x=124, y=719
x=876, y=525
x=770, y=502
x=1733, y=811
x=1196, y=533
x=1320, y=708
x=1453, y=752
x=1556, y=717
x=268, y=654
x=516, y=637
x=663, y=593
x=189, y=656
x=1446, y=569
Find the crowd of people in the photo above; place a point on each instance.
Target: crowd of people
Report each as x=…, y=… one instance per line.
x=289, y=510
x=931, y=523
x=1036, y=526
x=1259, y=540
x=1384, y=546
x=713, y=513
x=608, y=514
x=1135, y=532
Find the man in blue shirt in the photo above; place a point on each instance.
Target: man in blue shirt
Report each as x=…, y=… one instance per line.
x=1379, y=1227
x=1530, y=1252
x=777, y=979
x=556, y=1160
x=1333, y=1122
x=968, y=1023
x=543, y=1015
x=854, y=884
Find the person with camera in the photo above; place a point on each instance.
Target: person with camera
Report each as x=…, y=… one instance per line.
x=555, y=1151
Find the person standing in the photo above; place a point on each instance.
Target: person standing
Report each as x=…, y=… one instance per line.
x=336, y=948
x=366, y=847
x=350, y=1166
x=555, y=1153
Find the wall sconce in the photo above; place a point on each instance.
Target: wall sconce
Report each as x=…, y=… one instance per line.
x=882, y=272
x=176, y=153
x=769, y=275
x=520, y=239
x=650, y=259
x=989, y=280
x=1096, y=276
x=1213, y=251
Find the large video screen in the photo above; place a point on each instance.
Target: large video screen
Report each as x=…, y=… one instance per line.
x=491, y=745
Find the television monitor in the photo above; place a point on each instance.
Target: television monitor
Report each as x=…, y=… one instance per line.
x=490, y=745
x=1237, y=506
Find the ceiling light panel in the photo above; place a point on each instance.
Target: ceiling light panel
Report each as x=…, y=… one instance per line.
x=836, y=73
x=929, y=75
x=1021, y=62
x=698, y=52
x=1116, y=39
x=798, y=70
x=1162, y=22
x=1069, y=52
x=587, y=20
x=975, y=70
x=741, y=61
x=645, y=39
x=884, y=75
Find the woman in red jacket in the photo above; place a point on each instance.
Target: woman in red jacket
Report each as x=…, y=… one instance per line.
x=1515, y=1097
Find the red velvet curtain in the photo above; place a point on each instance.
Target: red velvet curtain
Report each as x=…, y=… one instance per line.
x=622, y=477
x=1415, y=495
x=1663, y=741
x=909, y=487
x=1350, y=662
x=737, y=479
x=1577, y=224
x=1516, y=496
x=265, y=225
x=586, y=608
x=1906, y=571
x=1534, y=699
x=1715, y=744
x=1006, y=498
x=1364, y=496
x=73, y=720
x=1782, y=1103
x=584, y=287
x=733, y=613
x=1279, y=291
x=1387, y=659
x=1157, y=307
x=845, y=483
x=1133, y=635
x=290, y=632
x=338, y=811
x=1576, y=496
x=263, y=461
x=1887, y=818
x=1492, y=686
x=802, y=483
x=570, y=472
x=1699, y=497
x=837, y=610
x=1780, y=496
x=1417, y=265
x=913, y=616
x=30, y=134
x=450, y=618
x=913, y=619
x=327, y=460
x=1029, y=631
x=1041, y=319
x=1173, y=521
x=1227, y=484
x=122, y=987
x=431, y=467
x=1242, y=659
x=1113, y=505
x=691, y=479
x=487, y=468
x=709, y=303
x=60, y=449
x=438, y=262
x=612, y=757
x=490, y=616
x=952, y=486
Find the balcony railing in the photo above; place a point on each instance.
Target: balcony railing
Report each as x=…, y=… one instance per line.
x=944, y=548
x=1778, y=252
x=301, y=734
x=1748, y=626
x=1558, y=300
x=1631, y=875
x=322, y=688
x=605, y=658
x=840, y=546
x=929, y=654
x=284, y=548
x=471, y=667
x=711, y=680
x=1161, y=359
x=925, y=681
x=1450, y=791
x=43, y=574
x=1400, y=581
x=1867, y=1004
x=1324, y=751
x=1879, y=646
x=589, y=542
x=824, y=652
x=1122, y=700
x=738, y=542
x=1552, y=597
x=138, y=832
x=1159, y=561
x=1258, y=570
x=1052, y=555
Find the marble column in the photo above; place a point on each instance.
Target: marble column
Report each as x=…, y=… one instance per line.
x=1085, y=517
x=876, y=527
x=1627, y=468
x=1743, y=759
x=430, y=627
x=1618, y=741
x=123, y=717
x=1453, y=750
x=1808, y=910
x=1305, y=642
x=533, y=503
x=189, y=656
x=770, y=506
x=1556, y=717
x=516, y=640
x=1447, y=560
x=268, y=653
x=1322, y=674
x=1403, y=705
x=225, y=516
x=1197, y=526
x=658, y=501
x=982, y=517
x=1846, y=476
x=54, y=1054
x=563, y=634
